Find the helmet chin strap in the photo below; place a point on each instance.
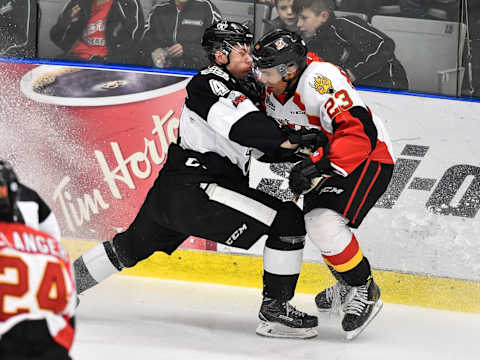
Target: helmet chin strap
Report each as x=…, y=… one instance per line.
x=227, y=54
x=226, y=50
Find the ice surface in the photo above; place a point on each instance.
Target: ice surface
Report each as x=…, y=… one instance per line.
x=128, y=318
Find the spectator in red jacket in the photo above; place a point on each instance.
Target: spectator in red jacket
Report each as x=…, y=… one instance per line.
x=99, y=30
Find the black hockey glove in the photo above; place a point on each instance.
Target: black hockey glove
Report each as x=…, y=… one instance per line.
x=307, y=175
x=309, y=140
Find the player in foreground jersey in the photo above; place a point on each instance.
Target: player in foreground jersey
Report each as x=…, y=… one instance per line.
x=37, y=289
x=340, y=183
x=203, y=189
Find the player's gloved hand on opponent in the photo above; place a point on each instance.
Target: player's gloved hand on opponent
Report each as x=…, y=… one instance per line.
x=252, y=88
x=309, y=173
x=309, y=140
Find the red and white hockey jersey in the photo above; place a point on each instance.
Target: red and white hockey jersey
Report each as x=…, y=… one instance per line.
x=323, y=99
x=36, y=281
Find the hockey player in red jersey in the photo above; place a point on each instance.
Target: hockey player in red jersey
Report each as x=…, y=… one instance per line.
x=340, y=182
x=37, y=289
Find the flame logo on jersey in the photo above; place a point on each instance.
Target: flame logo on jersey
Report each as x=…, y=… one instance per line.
x=280, y=44
x=322, y=85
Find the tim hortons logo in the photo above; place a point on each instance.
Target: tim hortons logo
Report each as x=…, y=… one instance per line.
x=137, y=165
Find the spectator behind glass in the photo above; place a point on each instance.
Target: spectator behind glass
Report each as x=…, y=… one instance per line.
x=431, y=9
x=286, y=19
x=18, y=28
x=173, y=35
x=364, y=52
x=365, y=6
x=99, y=30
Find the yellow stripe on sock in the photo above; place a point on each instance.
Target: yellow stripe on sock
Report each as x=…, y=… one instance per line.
x=349, y=265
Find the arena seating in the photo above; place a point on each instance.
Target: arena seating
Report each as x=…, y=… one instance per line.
x=430, y=51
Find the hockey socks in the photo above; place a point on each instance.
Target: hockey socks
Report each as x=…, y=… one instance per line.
x=95, y=266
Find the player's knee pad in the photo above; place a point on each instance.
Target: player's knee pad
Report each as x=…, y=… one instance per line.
x=328, y=230
x=289, y=225
x=124, y=247
x=283, y=252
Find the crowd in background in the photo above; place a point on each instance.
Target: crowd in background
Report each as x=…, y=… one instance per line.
x=169, y=34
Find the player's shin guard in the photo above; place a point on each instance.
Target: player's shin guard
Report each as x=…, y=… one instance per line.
x=282, y=264
x=95, y=266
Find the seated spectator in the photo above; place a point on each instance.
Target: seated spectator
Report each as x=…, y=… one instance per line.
x=18, y=28
x=99, y=30
x=173, y=35
x=286, y=19
x=364, y=52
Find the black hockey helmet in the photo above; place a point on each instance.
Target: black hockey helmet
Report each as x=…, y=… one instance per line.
x=280, y=47
x=223, y=36
x=9, y=191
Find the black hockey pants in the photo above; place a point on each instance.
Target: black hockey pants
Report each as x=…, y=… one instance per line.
x=191, y=197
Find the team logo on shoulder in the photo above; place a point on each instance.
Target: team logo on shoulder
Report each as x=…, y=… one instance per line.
x=322, y=85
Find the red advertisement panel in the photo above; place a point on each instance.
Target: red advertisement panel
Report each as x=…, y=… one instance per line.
x=91, y=142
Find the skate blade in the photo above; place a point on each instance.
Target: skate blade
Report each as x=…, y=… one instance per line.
x=350, y=335
x=276, y=330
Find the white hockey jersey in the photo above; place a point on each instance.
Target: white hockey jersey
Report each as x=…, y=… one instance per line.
x=213, y=105
x=36, y=281
x=323, y=99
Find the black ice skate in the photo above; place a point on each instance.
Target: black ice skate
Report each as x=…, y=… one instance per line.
x=364, y=305
x=281, y=319
x=332, y=298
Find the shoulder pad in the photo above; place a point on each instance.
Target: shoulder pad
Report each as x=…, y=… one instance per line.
x=215, y=70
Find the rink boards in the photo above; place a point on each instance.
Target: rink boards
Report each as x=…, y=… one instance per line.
x=244, y=270
x=94, y=158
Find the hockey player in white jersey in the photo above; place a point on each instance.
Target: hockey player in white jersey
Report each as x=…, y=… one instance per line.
x=37, y=289
x=340, y=182
x=202, y=190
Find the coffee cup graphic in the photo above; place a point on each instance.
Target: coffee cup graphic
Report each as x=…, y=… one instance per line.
x=121, y=123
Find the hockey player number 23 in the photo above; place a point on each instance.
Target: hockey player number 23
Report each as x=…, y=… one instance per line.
x=51, y=293
x=339, y=102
